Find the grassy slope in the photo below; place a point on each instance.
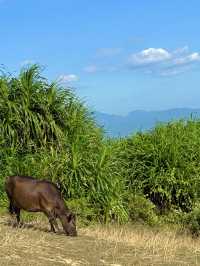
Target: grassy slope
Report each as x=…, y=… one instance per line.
x=97, y=245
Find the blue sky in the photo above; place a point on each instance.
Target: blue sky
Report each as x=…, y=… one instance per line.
x=119, y=55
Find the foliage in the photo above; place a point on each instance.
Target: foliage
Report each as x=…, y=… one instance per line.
x=142, y=210
x=192, y=220
x=164, y=164
x=84, y=210
x=47, y=132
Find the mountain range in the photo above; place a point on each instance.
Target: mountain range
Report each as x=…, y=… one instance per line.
x=140, y=120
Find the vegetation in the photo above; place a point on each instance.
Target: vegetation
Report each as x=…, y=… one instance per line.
x=47, y=132
x=97, y=245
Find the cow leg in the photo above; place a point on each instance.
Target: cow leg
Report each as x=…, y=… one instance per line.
x=14, y=211
x=17, y=213
x=11, y=209
x=56, y=224
x=52, y=221
x=52, y=225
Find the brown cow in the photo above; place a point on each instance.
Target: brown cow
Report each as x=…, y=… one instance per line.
x=27, y=193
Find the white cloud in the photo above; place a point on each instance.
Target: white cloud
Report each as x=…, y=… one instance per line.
x=191, y=58
x=68, y=78
x=151, y=61
x=180, y=64
x=149, y=56
x=161, y=62
x=181, y=50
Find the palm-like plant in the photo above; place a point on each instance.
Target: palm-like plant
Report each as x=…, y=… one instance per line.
x=45, y=130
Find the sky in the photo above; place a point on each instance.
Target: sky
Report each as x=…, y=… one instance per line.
x=119, y=56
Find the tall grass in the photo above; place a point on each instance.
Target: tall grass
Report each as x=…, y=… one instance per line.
x=47, y=132
x=164, y=164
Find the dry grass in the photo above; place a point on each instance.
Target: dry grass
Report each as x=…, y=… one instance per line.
x=96, y=245
x=159, y=247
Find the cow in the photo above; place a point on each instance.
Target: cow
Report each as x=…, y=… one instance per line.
x=32, y=195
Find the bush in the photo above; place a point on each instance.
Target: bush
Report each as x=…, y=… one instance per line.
x=83, y=209
x=173, y=217
x=142, y=210
x=164, y=164
x=47, y=132
x=192, y=221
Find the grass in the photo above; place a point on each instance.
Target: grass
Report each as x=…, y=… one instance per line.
x=163, y=246
x=96, y=245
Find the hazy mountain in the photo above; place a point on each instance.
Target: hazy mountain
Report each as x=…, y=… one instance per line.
x=116, y=125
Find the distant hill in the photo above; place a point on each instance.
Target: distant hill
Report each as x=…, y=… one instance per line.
x=116, y=125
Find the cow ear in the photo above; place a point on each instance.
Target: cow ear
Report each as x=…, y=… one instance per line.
x=71, y=217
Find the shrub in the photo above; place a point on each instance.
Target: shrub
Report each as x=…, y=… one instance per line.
x=192, y=221
x=142, y=210
x=47, y=132
x=83, y=210
x=164, y=164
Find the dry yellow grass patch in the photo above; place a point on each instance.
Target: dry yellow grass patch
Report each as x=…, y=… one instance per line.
x=96, y=245
x=34, y=245
x=160, y=247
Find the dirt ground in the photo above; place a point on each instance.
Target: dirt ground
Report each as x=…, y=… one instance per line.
x=34, y=245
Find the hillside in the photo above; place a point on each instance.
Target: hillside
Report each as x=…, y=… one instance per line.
x=139, y=120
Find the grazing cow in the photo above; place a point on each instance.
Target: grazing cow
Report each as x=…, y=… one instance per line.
x=27, y=193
